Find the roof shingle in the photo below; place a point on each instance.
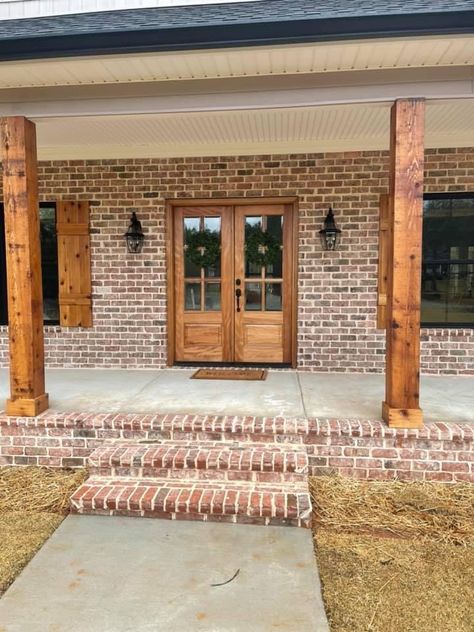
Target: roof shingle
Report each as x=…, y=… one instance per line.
x=317, y=13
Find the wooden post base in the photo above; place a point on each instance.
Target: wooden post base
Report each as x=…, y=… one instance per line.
x=27, y=407
x=402, y=417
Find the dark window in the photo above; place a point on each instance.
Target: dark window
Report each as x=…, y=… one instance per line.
x=447, y=297
x=49, y=266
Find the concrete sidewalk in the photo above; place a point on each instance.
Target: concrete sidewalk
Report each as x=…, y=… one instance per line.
x=100, y=574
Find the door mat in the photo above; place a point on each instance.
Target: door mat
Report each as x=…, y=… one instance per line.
x=230, y=374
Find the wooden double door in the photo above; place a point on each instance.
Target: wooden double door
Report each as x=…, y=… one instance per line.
x=234, y=282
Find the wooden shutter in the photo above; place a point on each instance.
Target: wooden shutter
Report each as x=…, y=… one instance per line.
x=384, y=245
x=74, y=262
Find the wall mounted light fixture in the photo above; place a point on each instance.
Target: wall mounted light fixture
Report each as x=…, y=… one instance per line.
x=134, y=235
x=330, y=235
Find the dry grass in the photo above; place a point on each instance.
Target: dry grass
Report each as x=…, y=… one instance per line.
x=21, y=535
x=37, y=489
x=440, y=512
x=395, y=556
x=33, y=503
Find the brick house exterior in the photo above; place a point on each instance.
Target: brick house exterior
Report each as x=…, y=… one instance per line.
x=241, y=116
x=337, y=291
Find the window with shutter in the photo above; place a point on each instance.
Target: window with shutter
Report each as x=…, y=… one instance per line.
x=75, y=288
x=49, y=265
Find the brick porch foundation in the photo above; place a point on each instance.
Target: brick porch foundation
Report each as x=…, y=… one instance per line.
x=361, y=449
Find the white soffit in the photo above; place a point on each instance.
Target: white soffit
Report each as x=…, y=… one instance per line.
x=290, y=130
x=370, y=54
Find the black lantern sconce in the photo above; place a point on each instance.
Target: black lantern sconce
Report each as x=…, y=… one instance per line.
x=330, y=235
x=134, y=235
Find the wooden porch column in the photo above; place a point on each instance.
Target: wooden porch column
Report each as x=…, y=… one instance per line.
x=401, y=408
x=23, y=253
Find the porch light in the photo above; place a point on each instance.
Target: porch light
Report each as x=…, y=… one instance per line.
x=330, y=235
x=134, y=235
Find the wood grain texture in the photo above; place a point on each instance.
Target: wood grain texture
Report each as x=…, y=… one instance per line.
x=274, y=342
x=170, y=285
x=226, y=338
x=74, y=262
x=402, y=417
x=404, y=271
x=23, y=257
x=213, y=335
x=384, y=248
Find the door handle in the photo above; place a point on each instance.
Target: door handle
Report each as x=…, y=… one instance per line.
x=238, y=292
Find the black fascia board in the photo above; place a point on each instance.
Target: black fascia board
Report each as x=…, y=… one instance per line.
x=236, y=35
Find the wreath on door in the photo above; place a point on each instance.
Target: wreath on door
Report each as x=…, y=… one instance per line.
x=262, y=248
x=202, y=247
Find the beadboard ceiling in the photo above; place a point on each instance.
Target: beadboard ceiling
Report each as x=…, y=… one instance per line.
x=372, y=54
x=352, y=127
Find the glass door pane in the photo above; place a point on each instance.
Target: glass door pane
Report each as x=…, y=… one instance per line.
x=202, y=262
x=263, y=257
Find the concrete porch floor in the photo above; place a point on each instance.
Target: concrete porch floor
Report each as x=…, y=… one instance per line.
x=283, y=393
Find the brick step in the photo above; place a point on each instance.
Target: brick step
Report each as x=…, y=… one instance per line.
x=280, y=504
x=200, y=427
x=201, y=461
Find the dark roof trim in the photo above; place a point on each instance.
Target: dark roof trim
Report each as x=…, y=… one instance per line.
x=242, y=34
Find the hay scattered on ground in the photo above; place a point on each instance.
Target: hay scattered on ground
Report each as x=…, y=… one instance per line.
x=33, y=503
x=395, y=556
x=392, y=585
x=21, y=535
x=35, y=489
x=440, y=512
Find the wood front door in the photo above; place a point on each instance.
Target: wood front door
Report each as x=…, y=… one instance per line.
x=234, y=283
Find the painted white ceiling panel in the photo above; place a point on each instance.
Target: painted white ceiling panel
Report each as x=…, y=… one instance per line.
x=244, y=62
x=317, y=129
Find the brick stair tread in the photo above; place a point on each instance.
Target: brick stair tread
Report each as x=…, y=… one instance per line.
x=178, y=498
x=208, y=455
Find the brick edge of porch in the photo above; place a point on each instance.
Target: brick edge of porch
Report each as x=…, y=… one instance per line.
x=363, y=449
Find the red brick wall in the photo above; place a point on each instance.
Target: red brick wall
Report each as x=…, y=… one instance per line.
x=362, y=449
x=337, y=299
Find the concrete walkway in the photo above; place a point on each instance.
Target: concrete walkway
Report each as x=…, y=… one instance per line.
x=100, y=574
x=283, y=393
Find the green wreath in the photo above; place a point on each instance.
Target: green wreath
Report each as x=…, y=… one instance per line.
x=262, y=248
x=202, y=247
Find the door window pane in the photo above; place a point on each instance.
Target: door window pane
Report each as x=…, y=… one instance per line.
x=253, y=225
x=253, y=297
x=447, y=296
x=212, y=302
x=275, y=229
x=213, y=226
x=273, y=298
x=192, y=296
x=191, y=226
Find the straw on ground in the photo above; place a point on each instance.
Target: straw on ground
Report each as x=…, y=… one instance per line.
x=395, y=556
x=33, y=503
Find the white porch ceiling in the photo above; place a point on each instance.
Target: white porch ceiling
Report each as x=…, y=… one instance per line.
x=284, y=130
x=373, y=54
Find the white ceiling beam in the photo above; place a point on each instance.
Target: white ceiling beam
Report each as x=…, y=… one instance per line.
x=77, y=152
